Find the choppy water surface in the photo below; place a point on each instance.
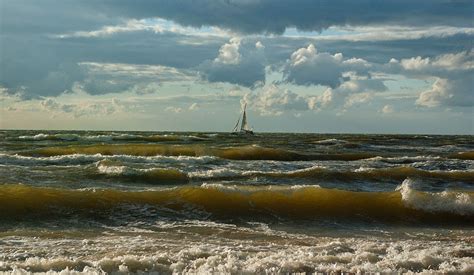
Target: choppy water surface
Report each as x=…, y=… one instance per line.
x=99, y=202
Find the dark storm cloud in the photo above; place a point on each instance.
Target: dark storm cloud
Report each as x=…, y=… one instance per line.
x=246, y=16
x=23, y=17
x=48, y=66
x=269, y=16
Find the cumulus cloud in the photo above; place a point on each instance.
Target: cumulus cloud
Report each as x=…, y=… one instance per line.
x=387, y=109
x=453, y=85
x=307, y=66
x=273, y=101
x=235, y=65
x=348, y=94
x=229, y=52
x=446, y=92
x=442, y=63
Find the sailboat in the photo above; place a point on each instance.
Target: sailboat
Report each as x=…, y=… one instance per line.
x=244, y=127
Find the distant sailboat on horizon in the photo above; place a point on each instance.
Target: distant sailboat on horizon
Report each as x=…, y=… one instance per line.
x=244, y=127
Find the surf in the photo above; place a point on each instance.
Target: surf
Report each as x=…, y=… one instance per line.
x=250, y=152
x=405, y=205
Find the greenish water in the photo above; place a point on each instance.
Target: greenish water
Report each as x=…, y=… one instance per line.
x=98, y=202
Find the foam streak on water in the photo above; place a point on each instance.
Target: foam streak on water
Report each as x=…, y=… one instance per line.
x=135, y=202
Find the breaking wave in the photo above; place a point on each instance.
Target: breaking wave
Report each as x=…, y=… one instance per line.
x=73, y=159
x=109, y=137
x=234, y=153
x=404, y=205
x=116, y=168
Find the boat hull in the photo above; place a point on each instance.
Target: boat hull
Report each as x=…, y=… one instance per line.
x=244, y=133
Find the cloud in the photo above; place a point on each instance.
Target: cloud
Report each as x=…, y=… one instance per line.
x=83, y=109
x=446, y=92
x=268, y=16
x=453, y=85
x=102, y=78
x=381, y=33
x=229, y=53
x=273, y=101
x=307, y=66
x=235, y=64
x=442, y=63
x=348, y=94
x=387, y=109
x=173, y=109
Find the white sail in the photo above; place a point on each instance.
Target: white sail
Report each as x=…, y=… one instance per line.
x=244, y=127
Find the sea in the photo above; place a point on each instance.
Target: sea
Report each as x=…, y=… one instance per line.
x=114, y=202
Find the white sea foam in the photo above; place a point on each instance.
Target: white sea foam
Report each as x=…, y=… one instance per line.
x=329, y=255
x=404, y=158
x=331, y=141
x=446, y=201
x=223, y=172
x=35, y=137
x=17, y=159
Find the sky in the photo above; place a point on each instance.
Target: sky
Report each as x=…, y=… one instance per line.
x=336, y=66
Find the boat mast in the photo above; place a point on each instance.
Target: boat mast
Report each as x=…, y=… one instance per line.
x=236, y=125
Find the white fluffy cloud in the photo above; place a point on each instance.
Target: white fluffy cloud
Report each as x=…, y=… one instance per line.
x=442, y=63
x=236, y=65
x=387, y=109
x=457, y=92
x=229, y=52
x=453, y=85
x=273, y=101
x=348, y=94
x=307, y=66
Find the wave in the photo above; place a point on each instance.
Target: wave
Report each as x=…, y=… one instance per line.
x=455, y=202
x=111, y=137
x=405, y=205
x=114, y=169
x=73, y=159
x=397, y=173
x=405, y=159
x=330, y=141
x=42, y=136
x=234, y=153
x=463, y=155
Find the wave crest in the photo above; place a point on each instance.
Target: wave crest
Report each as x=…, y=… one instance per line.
x=304, y=202
x=233, y=153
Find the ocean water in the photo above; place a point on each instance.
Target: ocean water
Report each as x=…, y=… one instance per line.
x=140, y=202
